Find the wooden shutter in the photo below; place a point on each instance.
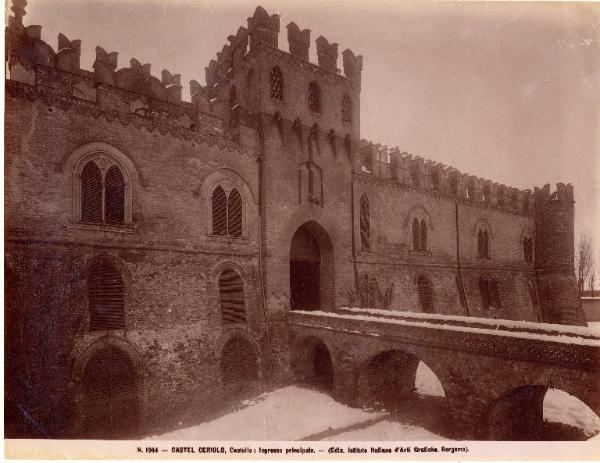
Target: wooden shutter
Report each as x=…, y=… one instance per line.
x=425, y=295
x=365, y=224
x=91, y=193
x=423, y=236
x=416, y=232
x=238, y=362
x=231, y=293
x=219, y=212
x=110, y=404
x=114, y=196
x=234, y=213
x=106, y=298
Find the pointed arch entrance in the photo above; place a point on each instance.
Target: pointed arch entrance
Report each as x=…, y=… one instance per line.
x=311, y=269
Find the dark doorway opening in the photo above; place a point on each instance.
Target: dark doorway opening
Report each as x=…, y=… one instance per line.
x=305, y=271
x=110, y=402
x=322, y=368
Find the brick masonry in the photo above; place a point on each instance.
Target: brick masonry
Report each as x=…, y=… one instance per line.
x=293, y=167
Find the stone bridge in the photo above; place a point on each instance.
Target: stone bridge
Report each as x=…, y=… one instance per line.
x=495, y=373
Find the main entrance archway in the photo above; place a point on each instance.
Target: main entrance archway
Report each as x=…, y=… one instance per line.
x=311, y=269
x=110, y=402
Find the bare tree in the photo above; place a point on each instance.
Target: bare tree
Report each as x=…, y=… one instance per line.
x=592, y=281
x=585, y=260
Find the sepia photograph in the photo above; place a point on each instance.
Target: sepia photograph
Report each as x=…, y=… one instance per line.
x=326, y=229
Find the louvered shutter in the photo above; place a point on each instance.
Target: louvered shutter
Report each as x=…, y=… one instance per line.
x=365, y=224
x=423, y=236
x=110, y=405
x=114, y=196
x=219, y=212
x=238, y=362
x=425, y=295
x=234, y=213
x=415, y=234
x=106, y=298
x=91, y=193
x=231, y=293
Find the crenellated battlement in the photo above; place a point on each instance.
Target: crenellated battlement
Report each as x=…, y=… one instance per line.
x=263, y=29
x=416, y=172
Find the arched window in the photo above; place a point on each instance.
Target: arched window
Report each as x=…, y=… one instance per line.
x=528, y=249
x=91, y=194
x=276, y=83
x=346, y=108
x=314, y=97
x=483, y=250
x=231, y=295
x=423, y=236
x=416, y=234
x=106, y=297
x=226, y=213
x=102, y=199
x=365, y=224
x=425, y=294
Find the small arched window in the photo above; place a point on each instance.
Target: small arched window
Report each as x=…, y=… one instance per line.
x=277, y=83
x=227, y=213
x=425, y=294
x=106, y=297
x=102, y=198
x=423, y=236
x=365, y=224
x=231, y=296
x=314, y=97
x=483, y=244
x=346, y=108
x=419, y=234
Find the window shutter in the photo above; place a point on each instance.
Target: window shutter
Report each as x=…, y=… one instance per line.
x=219, y=212
x=231, y=292
x=91, y=193
x=234, y=213
x=114, y=196
x=425, y=295
x=423, y=234
x=365, y=224
x=106, y=298
x=238, y=362
x=415, y=234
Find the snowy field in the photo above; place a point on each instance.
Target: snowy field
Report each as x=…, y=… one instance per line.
x=594, y=327
x=294, y=413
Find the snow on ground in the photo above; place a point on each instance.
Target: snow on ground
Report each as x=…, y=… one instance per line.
x=560, y=407
x=290, y=413
x=427, y=383
x=387, y=430
x=594, y=328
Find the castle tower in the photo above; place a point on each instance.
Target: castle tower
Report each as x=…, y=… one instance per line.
x=554, y=256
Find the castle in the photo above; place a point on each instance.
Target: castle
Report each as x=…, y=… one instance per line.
x=154, y=246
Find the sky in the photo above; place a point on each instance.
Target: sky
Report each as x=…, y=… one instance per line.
x=506, y=91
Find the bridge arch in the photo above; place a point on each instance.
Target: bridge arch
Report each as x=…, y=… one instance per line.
x=536, y=412
x=390, y=376
x=312, y=363
x=312, y=277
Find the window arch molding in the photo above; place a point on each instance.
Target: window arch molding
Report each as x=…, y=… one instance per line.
x=228, y=180
x=250, y=294
x=104, y=156
x=482, y=225
x=420, y=213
